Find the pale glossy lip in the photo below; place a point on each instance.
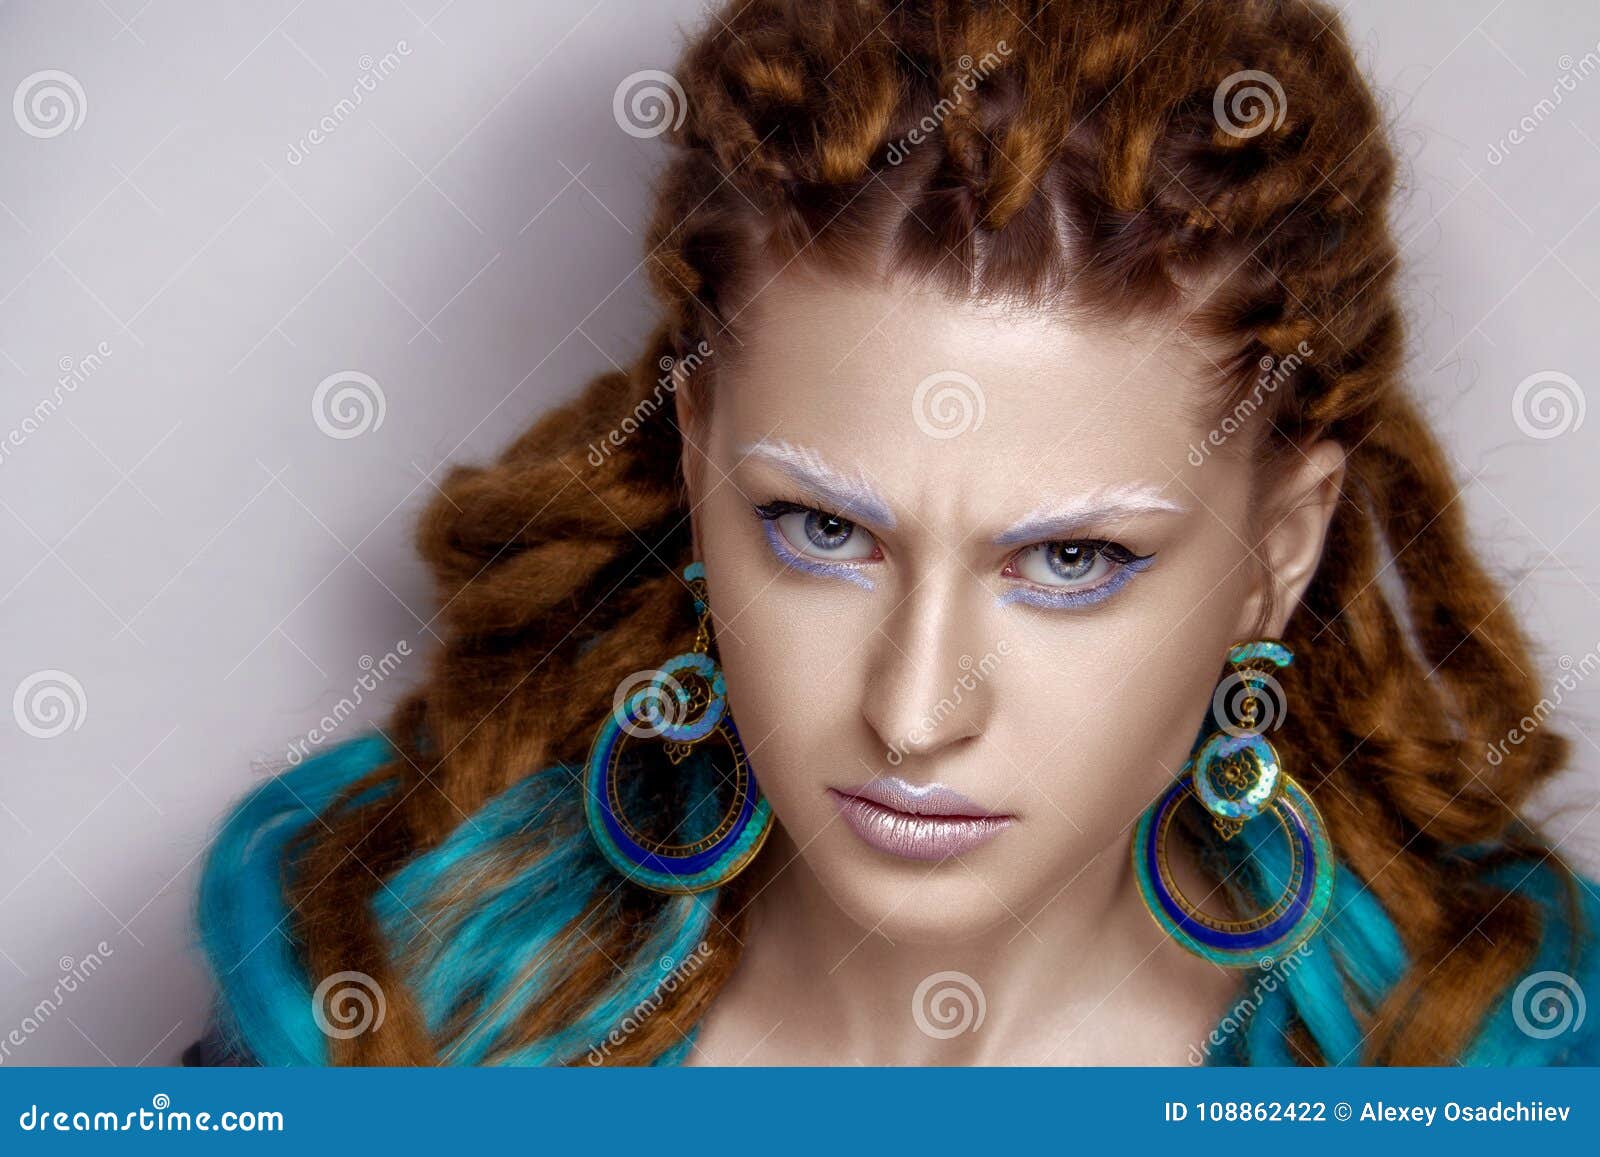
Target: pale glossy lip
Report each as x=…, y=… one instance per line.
x=944, y=823
x=929, y=799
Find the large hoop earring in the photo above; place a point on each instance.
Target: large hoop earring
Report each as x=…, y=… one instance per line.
x=1236, y=775
x=683, y=703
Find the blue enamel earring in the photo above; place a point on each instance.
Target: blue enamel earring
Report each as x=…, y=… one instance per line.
x=1235, y=774
x=683, y=704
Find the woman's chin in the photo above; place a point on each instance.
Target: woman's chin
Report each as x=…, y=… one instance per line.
x=917, y=903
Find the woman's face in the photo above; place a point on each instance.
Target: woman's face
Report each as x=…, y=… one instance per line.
x=965, y=547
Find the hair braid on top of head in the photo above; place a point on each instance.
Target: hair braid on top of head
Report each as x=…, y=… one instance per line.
x=1103, y=157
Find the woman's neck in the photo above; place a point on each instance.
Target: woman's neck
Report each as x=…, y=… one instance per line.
x=1086, y=977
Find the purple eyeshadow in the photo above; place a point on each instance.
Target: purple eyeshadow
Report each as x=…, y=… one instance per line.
x=1036, y=596
x=791, y=557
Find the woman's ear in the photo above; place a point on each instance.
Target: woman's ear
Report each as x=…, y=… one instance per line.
x=1291, y=545
x=691, y=463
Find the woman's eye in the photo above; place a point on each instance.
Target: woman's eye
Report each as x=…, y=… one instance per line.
x=1067, y=564
x=820, y=535
x=1062, y=573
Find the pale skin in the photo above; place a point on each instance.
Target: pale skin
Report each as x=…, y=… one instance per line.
x=1084, y=716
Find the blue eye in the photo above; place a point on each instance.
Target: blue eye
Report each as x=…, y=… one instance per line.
x=817, y=542
x=825, y=535
x=1071, y=574
x=1064, y=564
x=813, y=533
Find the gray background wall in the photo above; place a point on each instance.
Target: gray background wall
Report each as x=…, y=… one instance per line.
x=196, y=564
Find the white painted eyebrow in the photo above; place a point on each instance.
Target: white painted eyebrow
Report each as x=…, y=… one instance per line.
x=1061, y=520
x=850, y=493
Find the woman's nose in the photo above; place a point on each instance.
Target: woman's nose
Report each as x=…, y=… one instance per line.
x=926, y=686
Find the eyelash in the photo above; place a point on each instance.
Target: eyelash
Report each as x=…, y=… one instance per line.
x=770, y=512
x=1023, y=591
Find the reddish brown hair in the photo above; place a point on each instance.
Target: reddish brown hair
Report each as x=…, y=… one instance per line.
x=1105, y=159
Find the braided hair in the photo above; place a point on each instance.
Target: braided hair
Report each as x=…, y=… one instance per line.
x=1220, y=164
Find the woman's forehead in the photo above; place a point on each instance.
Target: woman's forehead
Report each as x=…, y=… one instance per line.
x=882, y=380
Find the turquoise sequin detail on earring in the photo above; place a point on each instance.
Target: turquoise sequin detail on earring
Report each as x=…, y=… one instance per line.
x=683, y=704
x=665, y=687
x=1237, y=776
